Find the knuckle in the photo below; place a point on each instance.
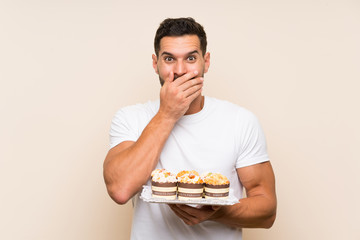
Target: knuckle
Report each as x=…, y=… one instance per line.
x=174, y=91
x=181, y=95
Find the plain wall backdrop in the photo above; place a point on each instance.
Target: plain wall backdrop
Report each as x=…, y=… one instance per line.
x=66, y=67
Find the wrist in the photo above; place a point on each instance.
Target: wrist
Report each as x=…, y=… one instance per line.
x=167, y=118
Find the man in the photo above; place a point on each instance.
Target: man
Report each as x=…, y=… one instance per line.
x=187, y=131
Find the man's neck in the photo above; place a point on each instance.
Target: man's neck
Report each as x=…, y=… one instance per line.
x=196, y=105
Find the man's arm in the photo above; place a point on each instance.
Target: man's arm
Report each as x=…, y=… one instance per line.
x=257, y=210
x=128, y=165
x=136, y=160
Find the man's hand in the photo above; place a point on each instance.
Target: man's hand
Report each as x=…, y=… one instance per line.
x=177, y=95
x=191, y=215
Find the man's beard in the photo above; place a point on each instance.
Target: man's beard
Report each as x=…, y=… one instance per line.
x=162, y=81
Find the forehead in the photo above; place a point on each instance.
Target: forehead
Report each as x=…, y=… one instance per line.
x=180, y=45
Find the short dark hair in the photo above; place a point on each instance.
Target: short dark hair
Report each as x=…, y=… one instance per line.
x=176, y=27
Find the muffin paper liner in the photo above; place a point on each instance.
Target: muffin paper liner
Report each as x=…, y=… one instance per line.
x=146, y=196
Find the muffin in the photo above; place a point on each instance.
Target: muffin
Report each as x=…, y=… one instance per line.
x=190, y=185
x=163, y=184
x=216, y=186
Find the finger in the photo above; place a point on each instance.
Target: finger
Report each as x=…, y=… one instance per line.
x=179, y=81
x=184, y=219
x=195, y=215
x=170, y=78
x=182, y=215
x=188, y=209
x=190, y=83
x=193, y=92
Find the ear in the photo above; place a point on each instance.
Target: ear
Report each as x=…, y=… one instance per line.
x=154, y=58
x=207, y=61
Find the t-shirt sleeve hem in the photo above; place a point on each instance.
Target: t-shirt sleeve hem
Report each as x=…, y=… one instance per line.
x=252, y=161
x=118, y=141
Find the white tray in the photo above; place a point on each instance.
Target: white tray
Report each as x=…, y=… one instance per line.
x=147, y=197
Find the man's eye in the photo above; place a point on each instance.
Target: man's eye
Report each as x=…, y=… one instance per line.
x=191, y=58
x=168, y=59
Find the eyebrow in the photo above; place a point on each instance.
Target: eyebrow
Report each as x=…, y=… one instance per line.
x=170, y=54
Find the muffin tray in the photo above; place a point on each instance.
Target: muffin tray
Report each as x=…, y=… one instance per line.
x=147, y=197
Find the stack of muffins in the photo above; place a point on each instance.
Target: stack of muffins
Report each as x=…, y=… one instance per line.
x=188, y=185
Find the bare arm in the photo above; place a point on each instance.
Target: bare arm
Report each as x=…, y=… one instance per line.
x=139, y=158
x=135, y=159
x=258, y=210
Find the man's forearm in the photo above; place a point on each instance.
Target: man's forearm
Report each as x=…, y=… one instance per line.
x=127, y=170
x=252, y=212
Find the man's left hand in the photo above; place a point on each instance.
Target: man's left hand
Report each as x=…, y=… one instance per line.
x=192, y=215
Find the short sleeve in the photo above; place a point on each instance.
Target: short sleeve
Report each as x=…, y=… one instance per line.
x=121, y=129
x=251, y=141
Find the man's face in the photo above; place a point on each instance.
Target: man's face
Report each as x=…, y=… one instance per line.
x=180, y=55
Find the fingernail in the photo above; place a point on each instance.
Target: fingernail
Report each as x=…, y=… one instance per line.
x=196, y=72
x=202, y=79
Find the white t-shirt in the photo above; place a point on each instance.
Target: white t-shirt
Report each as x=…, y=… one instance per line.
x=220, y=138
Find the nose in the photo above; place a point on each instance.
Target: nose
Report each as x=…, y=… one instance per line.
x=180, y=69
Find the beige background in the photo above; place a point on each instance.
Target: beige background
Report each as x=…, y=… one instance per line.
x=67, y=66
